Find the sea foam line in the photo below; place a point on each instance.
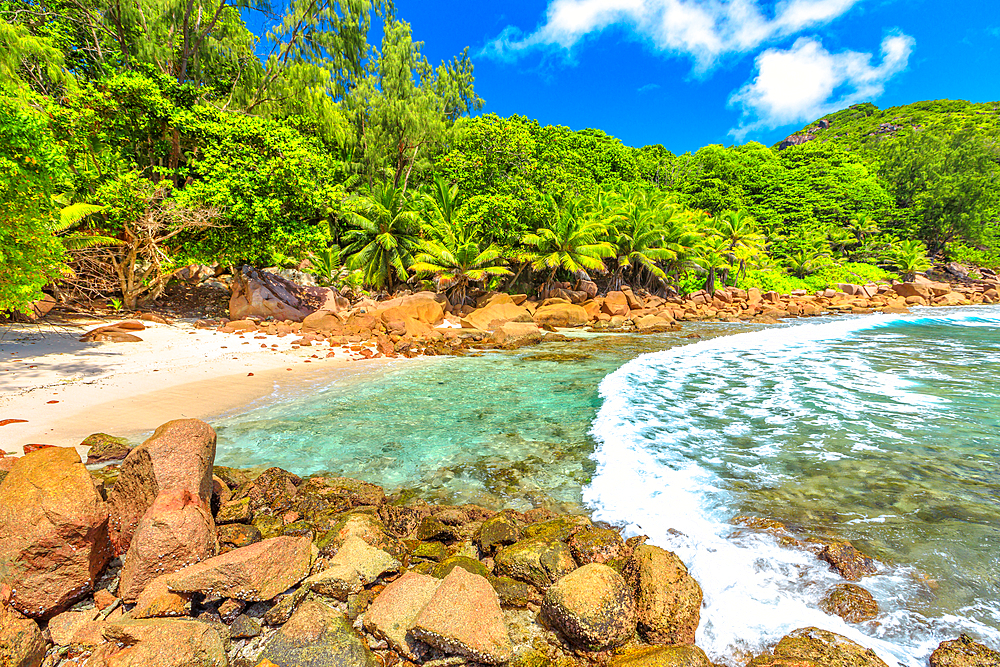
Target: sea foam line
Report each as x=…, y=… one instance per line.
x=755, y=590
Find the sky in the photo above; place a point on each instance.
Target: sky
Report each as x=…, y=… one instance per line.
x=688, y=73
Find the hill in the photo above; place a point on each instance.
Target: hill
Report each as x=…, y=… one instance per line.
x=862, y=127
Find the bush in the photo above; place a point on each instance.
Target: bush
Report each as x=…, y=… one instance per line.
x=772, y=280
x=32, y=168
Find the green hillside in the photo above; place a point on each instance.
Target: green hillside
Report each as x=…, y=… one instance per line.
x=862, y=127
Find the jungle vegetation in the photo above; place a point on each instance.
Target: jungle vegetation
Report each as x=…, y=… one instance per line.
x=139, y=136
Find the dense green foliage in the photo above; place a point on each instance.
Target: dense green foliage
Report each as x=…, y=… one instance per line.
x=370, y=164
x=32, y=170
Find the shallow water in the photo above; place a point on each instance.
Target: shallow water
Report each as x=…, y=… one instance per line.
x=501, y=429
x=882, y=430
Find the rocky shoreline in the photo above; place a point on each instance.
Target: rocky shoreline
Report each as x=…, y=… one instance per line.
x=426, y=323
x=160, y=558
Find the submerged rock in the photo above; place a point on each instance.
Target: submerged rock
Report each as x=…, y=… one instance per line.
x=964, y=652
x=812, y=647
x=851, y=602
x=593, y=607
x=847, y=560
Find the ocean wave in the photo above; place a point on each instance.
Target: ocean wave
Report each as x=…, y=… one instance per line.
x=688, y=436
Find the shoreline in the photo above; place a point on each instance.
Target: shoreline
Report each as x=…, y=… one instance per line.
x=64, y=389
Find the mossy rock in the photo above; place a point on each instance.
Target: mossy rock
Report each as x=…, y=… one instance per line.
x=560, y=528
x=434, y=551
x=812, y=647
x=424, y=567
x=237, y=535
x=269, y=526
x=233, y=477
x=442, y=569
x=234, y=511
x=964, y=652
x=104, y=447
x=499, y=531
x=365, y=524
x=663, y=656
x=298, y=529
x=851, y=602
x=514, y=593
x=598, y=545
x=431, y=528
x=539, y=561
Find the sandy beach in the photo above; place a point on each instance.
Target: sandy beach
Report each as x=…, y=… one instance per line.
x=65, y=389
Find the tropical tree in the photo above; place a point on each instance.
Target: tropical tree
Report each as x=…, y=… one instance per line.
x=384, y=238
x=454, y=254
x=805, y=261
x=739, y=231
x=910, y=258
x=712, y=257
x=638, y=239
x=568, y=241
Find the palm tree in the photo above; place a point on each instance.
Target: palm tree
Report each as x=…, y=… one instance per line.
x=805, y=261
x=910, y=257
x=739, y=231
x=385, y=236
x=569, y=241
x=457, y=259
x=442, y=203
x=712, y=257
x=638, y=239
x=861, y=226
x=681, y=237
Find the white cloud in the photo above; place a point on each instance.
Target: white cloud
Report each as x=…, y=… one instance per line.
x=704, y=30
x=807, y=81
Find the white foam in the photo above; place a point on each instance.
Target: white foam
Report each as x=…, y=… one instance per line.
x=655, y=438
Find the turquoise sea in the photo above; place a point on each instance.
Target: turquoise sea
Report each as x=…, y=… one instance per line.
x=884, y=430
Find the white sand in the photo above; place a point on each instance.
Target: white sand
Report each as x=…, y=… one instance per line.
x=66, y=390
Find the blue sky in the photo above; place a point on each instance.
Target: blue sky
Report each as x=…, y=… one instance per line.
x=687, y=73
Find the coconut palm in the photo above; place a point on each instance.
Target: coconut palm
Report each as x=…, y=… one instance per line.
x=638, y=239
x=681, y=237
x=569, y=241
x=739, y=231
x=455, y=256
x=712, y=257
x=861, y=226
x=910, y=257
x=441, y=203
x=805, y=261
x=384, y=237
